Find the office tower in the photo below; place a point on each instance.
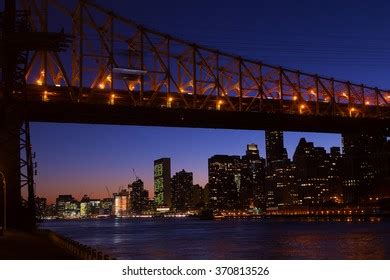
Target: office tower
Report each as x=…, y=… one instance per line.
x=363, y=155
x=335, y=176
x=106, y=207
x=85, y=210
x=66, y=206
x=280, y=185
x=224, y=182
x=182, y=183
x=197, y=198
x=311, y=173
x=89, y=207
x=94, y=205
x=279, y=181
x=122, y=203
x=252, y=191
x=138, y=196
x=274, y=145
x=162, y=182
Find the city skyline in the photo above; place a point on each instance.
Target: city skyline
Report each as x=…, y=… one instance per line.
x=348, y=179
x=48, y=176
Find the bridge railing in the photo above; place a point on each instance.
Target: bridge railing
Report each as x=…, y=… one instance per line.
x=176, y=72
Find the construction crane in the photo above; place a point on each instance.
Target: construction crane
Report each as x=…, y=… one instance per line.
x=108, y=192
x=135, y=175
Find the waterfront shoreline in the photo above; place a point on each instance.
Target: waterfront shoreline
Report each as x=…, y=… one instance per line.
x=267, y=238
x=261, y=216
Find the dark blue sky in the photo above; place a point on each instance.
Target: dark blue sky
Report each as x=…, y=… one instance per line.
x=343, y=39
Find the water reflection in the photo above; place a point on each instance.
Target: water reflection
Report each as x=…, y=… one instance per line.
x=271, y=238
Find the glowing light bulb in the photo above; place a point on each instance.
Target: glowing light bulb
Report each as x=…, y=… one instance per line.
x=45, y=96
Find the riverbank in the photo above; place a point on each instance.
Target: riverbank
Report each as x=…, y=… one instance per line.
x=18, y=245
x=44, y=245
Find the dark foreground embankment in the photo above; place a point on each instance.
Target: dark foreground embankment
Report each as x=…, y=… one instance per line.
x=43, y=245
x=18, y=245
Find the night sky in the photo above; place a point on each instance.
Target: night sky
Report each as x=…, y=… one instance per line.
x=347, y=40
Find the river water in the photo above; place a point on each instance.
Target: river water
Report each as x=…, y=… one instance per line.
x=267, y=238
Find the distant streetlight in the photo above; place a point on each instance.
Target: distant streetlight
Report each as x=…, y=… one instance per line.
x=4, y=191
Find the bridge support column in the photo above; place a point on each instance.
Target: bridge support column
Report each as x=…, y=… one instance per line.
x=10, y=167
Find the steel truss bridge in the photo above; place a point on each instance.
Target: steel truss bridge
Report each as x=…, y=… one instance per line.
x=112, y=70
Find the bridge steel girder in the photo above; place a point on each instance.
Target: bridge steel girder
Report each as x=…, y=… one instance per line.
x=196, y=118
x=10, y=124
x=179, y=72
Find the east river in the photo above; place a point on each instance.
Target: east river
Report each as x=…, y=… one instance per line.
x=266, y=238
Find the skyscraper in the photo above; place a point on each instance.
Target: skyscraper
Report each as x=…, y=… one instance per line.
x=197, y=197
x=162, y=182
x=274, y=145
x=363, y=155
x=182, y=183
x=122, y=203
x=252, y=192
x=138, y=196
x=311, y=173
x=279, y=182
x=224, y=182
x=335, y=175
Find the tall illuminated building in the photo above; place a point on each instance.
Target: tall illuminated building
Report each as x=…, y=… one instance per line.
x=362, y=164
x=162, y=182
x=312, y=168
x=224, y=182
x=138, y=196
x=252, y=192
x=121, y=203
x=182, y=184
x=279, y=172
x=274, y=146
x=335, y=175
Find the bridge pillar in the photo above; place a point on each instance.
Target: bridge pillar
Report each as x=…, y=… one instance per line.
x=10, y=123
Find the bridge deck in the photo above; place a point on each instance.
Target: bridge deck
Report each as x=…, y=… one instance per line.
x=97, y=107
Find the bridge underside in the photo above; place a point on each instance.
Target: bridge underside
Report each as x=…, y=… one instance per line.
x=197, y=118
